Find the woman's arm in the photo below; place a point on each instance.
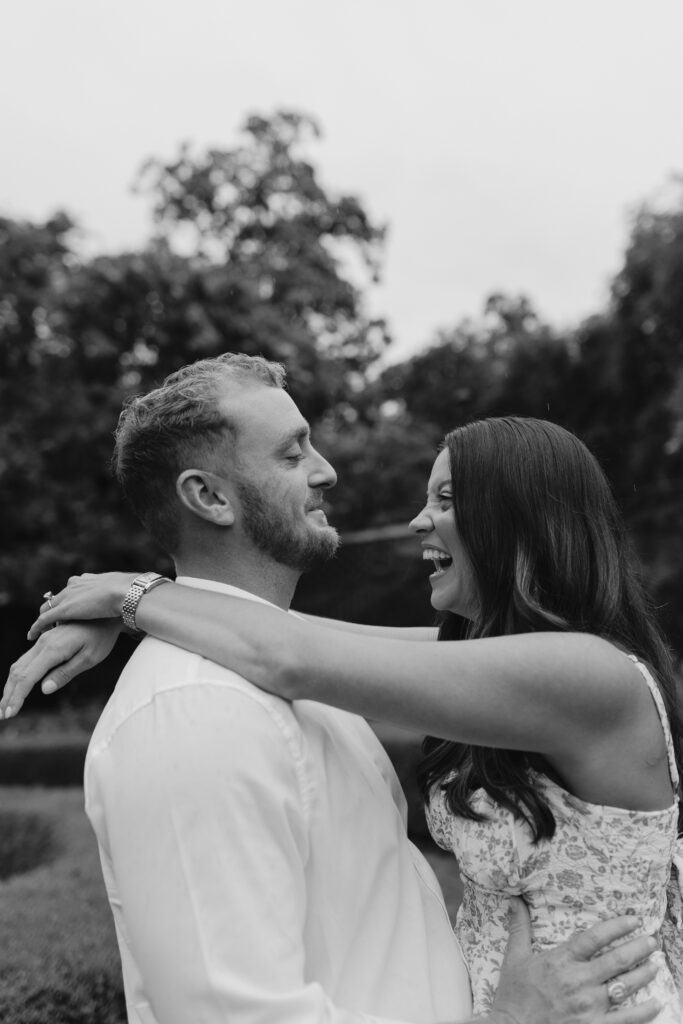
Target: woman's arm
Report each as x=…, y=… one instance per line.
x=571, y=697
x=60, y=655
x=387, y=632
x=549, y=692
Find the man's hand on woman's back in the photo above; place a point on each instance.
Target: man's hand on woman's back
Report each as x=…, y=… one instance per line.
x=568, y=984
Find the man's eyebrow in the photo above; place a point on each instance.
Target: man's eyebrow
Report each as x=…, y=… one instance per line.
x=295, y=436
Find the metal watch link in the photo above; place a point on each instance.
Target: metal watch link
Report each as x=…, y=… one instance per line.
x=140, y=585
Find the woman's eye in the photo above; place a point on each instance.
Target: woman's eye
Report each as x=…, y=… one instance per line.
x=445, y=499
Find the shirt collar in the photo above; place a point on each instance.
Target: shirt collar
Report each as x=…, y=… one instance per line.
x=222, y=588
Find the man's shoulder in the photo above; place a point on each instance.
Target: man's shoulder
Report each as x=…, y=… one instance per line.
x=156, y=665
x=160, y=672
x=188, y=687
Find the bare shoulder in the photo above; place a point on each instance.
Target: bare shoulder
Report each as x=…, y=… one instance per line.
x=611, y=749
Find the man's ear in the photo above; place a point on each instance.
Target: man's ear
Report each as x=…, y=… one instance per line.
x=206, y=495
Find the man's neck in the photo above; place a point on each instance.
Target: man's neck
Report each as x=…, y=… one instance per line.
x=270, y=581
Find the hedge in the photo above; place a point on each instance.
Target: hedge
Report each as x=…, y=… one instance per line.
x=42, y=760
x=59, y=961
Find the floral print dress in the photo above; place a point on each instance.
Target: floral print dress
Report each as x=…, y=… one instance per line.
x=601, y=862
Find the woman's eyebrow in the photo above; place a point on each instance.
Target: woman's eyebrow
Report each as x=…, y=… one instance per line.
x=439, y=485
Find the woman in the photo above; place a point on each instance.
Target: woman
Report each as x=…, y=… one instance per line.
x=553, y=771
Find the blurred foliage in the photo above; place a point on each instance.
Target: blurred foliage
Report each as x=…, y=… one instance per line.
x=269, y=273
x=26, y=842
x=51, y=761
x=268, y=246
x=616, y=381
x=252, y=253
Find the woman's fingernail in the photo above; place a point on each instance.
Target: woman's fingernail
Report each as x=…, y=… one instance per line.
x=49, y=686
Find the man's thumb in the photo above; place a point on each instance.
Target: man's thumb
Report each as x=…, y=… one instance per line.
x=519, y=925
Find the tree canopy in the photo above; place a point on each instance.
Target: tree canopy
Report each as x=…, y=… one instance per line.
x=252, y=253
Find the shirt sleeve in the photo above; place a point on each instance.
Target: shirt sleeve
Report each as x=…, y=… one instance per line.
x=202, y=799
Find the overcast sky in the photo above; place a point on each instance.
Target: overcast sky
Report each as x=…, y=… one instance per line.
x=505, y=142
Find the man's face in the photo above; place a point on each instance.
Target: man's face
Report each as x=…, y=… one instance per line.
x=279, y=478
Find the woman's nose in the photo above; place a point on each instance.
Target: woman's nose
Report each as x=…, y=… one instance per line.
x=422, y=522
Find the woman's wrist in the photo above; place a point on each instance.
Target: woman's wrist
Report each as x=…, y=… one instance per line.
x=121, y=583
x=137, y=588
x=290, y=655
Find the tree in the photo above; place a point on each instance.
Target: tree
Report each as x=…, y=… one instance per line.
x=268, y=272
x=507, y=362
x=631, y=361
x=630, y=379
x=46, y=463
x=271, y=258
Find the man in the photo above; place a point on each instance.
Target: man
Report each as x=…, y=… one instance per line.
x=254, y=851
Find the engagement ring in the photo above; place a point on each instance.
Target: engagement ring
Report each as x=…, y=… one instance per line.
x=616, y=992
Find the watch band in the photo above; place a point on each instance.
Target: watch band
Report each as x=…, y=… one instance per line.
x=140, y=585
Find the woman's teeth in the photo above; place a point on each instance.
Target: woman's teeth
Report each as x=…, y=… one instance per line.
x=440, y=559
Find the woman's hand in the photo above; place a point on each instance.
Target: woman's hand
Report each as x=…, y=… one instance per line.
x=57, y=657
x=90, y=596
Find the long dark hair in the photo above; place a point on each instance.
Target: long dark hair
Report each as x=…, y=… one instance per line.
x=537, y=518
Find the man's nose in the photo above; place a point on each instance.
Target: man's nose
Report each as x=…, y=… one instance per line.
x=323, y=474
x=422, y=523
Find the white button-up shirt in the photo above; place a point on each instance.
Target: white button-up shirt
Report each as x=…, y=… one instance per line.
x=256, y=859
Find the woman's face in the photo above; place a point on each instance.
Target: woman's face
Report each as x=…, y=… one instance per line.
x=453, y=584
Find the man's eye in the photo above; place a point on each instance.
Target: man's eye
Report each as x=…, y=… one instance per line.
x=295, y=457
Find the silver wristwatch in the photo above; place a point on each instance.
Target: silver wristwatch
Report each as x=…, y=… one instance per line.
x=140, y=585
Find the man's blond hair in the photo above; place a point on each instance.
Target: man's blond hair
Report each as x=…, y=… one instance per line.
x=176, y=426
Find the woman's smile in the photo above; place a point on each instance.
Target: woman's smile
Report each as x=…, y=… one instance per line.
x=442, y=561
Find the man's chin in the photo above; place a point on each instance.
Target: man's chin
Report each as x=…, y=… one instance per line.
x=328, y=541
x=323, y=545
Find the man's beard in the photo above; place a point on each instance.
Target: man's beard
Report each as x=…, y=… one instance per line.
x=267, y=524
